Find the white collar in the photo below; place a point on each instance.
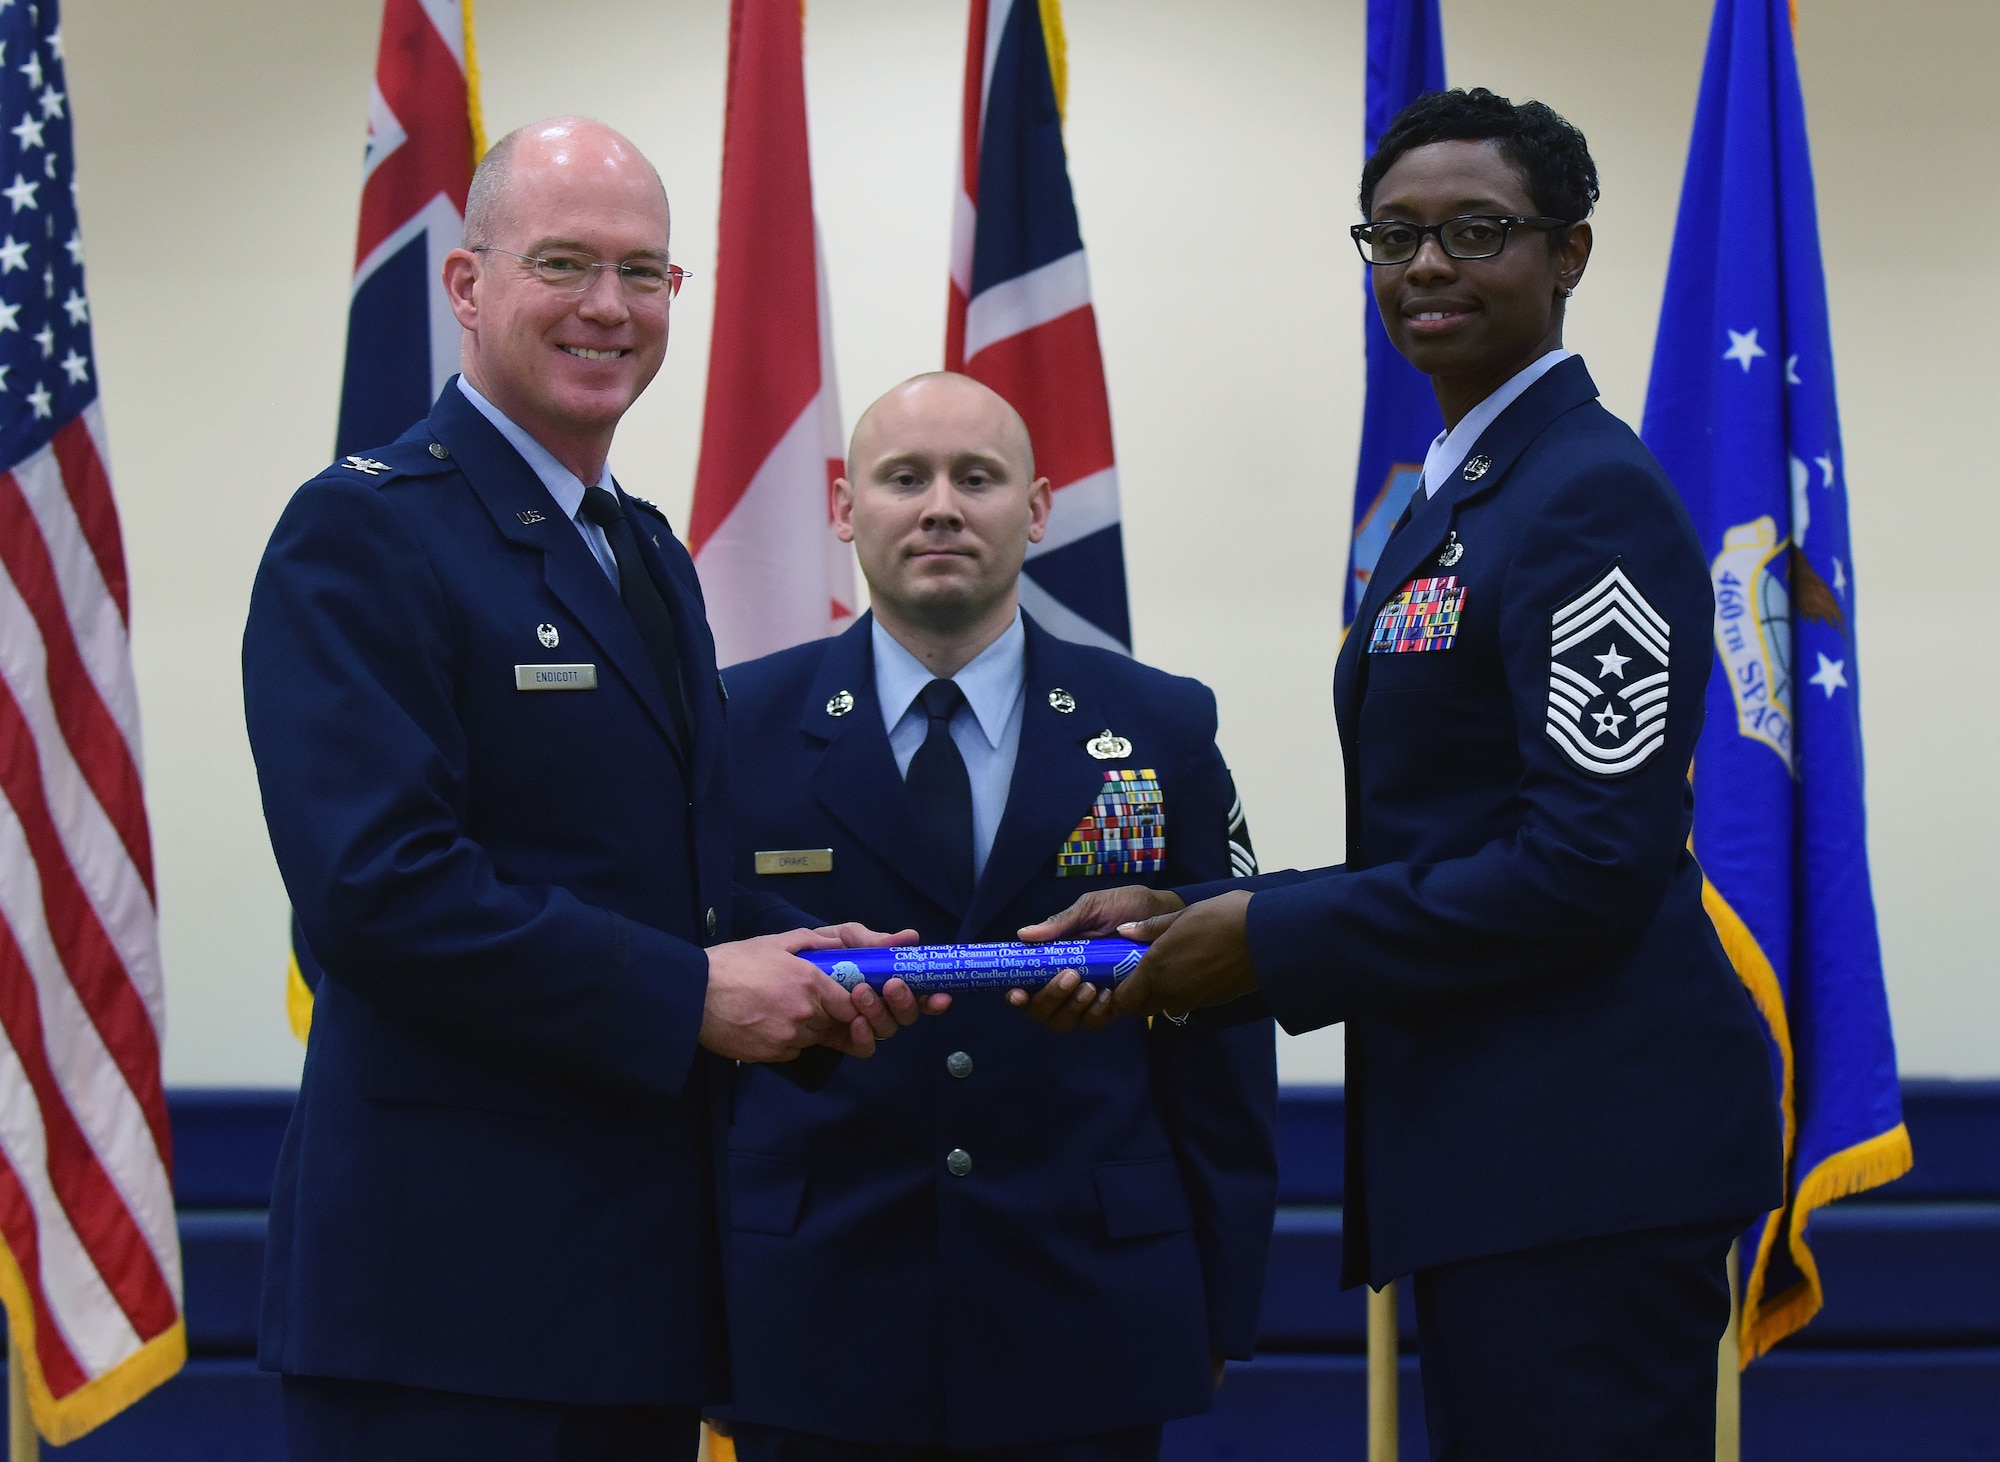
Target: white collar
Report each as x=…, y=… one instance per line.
x=991, y=681
x=1451, y=448
x=563, y=485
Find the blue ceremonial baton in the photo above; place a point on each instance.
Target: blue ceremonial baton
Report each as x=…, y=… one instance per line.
x=979, y=966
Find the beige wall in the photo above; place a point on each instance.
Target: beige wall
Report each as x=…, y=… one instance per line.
x=1214, y=149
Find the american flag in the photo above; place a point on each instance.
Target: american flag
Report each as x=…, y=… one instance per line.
x=761, y=528
x=1020, y=317
x=91, y=1272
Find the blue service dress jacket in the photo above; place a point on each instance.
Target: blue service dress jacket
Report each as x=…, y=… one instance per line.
x=1114, y=1220
x=1545, y=1041
x=500, y=1176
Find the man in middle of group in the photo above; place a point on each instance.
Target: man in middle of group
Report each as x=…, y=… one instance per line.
x=1045, y=1246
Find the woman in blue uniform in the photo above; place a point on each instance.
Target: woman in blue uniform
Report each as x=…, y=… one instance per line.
x=1559, y=1103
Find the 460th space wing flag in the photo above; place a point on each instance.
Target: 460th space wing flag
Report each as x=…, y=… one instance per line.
x=424, y=135
x=1741, y=411
x=761, y=529
x=1400, y=416
x=90, y=1263
x=1020, y=317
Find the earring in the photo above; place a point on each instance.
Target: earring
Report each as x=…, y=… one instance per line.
x=1568, y=290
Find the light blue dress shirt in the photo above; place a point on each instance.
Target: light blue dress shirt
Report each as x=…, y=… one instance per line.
x=563, y=485
x=986, y=730
x=1449, y=451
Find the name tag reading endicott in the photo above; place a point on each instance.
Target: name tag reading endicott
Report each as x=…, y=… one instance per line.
x=796, y=860
x=555, y=677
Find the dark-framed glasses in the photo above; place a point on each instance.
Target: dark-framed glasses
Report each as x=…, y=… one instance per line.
x=1470, y=236
x=574, y=273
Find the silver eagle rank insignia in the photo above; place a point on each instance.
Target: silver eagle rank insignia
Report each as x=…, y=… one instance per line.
x=1608, y=677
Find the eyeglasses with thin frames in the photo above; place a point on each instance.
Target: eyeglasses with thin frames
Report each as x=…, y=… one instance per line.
x=577, y=273
x=1470, y=236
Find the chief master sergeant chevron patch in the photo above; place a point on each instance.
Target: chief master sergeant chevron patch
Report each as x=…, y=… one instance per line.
x=1608, y=677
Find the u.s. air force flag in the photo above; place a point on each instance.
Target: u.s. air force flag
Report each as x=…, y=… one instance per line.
x=1399, y=414
x=1741, y=412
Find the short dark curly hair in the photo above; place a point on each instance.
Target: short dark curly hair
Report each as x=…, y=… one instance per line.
x=1550, y=153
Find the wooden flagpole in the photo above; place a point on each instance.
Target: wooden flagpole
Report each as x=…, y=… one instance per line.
x=1382, y=1359
x=1729, y=1369
x=22, y=1443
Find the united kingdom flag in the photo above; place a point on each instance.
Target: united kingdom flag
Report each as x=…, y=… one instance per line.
x=1020, y=317
x=424, y=135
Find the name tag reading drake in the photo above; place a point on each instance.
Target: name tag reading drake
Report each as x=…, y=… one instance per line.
x=796, y=860
x=555, y=677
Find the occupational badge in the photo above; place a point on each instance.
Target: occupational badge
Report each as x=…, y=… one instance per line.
x=548, y=635
x=1452, y=552
x=1123, y=834
x=841, y=704
x=1608, y=677
x=1107, y=747
x=1062, y=701
x=366, y=466
x=1477, y=467
x=1422, y=615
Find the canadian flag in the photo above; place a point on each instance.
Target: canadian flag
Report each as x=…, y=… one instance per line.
x=761, y=529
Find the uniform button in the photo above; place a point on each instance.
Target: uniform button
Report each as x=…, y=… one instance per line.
x=958, y=1162
x=439, y=451
x=711, y=923
x=958, y=1064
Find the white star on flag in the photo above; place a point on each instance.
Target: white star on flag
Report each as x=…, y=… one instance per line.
x=52, y=102
x=46, y=338
x=1743, y=348
x=1791, y=369
x=77, y=307
x=3, y=376
x=55, y=44
x=41, y=400
x=1831, y=676
x=22, y=194
x=76, y=368
x=32, y=69
x=75, y=247
x=13, y=255
x=30, y=130
x=1607, y=722
x=1613, y=662
x=1825, y=465
x=1839, y=576
x=9, y=317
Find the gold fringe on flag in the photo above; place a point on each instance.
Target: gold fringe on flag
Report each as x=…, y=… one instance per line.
x=1058, y=44
x=1768, y=1319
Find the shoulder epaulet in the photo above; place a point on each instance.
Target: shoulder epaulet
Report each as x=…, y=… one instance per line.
x=654, y=508
x=416, y=455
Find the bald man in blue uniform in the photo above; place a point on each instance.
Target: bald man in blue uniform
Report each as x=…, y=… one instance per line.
x=483, y=701
x=1098, y=1204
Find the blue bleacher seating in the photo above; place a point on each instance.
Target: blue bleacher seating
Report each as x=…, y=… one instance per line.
x=1903, y=1364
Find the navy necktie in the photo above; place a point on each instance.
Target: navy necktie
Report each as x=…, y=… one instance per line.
x=940, y=787
x=643, y=601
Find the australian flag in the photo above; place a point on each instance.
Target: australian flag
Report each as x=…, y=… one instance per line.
x=424, y=136
x=1020, y=317
x=1741, y=411
x=1400, y=416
